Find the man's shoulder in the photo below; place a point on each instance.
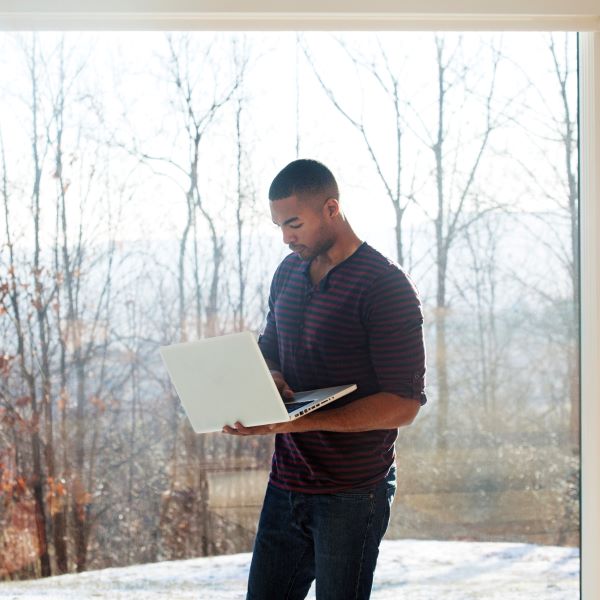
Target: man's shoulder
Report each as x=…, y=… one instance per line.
x=377, y=258
x=385, y=272
x=377, y=264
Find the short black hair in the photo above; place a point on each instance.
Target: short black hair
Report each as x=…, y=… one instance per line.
x=303, y=176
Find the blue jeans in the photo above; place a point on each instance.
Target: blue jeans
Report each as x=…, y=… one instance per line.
x=333, y=538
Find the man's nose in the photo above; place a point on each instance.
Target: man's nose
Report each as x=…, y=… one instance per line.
x=289, y=237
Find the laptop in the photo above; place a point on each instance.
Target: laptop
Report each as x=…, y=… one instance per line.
x=223, y=380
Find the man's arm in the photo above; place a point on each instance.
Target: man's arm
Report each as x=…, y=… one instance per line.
x=394, y=319
x=378, y=411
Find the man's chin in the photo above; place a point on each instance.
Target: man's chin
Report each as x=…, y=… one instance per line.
x=302, y=253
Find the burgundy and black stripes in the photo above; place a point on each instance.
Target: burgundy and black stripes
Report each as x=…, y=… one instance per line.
x=362, y=323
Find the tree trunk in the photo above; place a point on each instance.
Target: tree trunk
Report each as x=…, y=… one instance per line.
x=441, y=354
x=80, y=500
x=38, y=476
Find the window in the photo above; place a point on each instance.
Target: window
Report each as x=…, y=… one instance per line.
x=584, y=163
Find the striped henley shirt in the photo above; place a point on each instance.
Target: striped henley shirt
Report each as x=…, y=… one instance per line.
x=363, y=324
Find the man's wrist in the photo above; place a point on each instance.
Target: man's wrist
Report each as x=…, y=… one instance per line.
x=309, y=422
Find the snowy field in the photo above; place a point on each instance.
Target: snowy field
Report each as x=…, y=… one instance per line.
x=407, y=569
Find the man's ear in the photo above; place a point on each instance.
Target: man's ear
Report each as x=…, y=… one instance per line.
x=332, y=206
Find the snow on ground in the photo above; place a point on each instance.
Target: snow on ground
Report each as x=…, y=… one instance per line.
x=407, y=569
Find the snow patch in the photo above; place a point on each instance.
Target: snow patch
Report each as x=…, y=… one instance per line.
x=415, y=569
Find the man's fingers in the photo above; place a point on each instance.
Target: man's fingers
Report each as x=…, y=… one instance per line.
x=239, y=429
x=285, y=391
x=283, y=387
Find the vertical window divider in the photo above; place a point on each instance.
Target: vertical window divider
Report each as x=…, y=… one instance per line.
x=589, y=131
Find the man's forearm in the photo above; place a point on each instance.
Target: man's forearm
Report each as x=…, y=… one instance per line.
x=378, y=411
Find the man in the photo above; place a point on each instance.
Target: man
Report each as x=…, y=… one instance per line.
x=339, y=313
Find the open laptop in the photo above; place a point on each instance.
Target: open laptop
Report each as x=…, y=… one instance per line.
x=223, y=380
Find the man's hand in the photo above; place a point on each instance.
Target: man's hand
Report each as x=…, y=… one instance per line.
x=239, y=429
x=282, y=386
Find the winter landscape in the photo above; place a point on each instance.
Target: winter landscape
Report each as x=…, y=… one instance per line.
x=134, y=213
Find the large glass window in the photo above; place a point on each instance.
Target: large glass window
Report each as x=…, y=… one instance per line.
x=133, y=176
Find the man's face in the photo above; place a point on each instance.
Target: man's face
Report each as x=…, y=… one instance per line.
x=304, y=225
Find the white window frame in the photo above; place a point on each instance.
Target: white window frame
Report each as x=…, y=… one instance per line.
x=442, y=15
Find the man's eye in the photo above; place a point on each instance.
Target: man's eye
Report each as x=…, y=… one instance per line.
x=295, y=226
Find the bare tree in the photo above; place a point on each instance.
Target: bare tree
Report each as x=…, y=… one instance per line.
x=480, y=291
x=455, y=173
x=380, y=69
x=197, y=115
x=566, y=127
x=197, y=119
x=240, y=310
x=551, y=123
x=40, y=304
x=60, y=331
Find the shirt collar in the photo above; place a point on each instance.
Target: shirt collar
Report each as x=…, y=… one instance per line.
x=324, y=283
